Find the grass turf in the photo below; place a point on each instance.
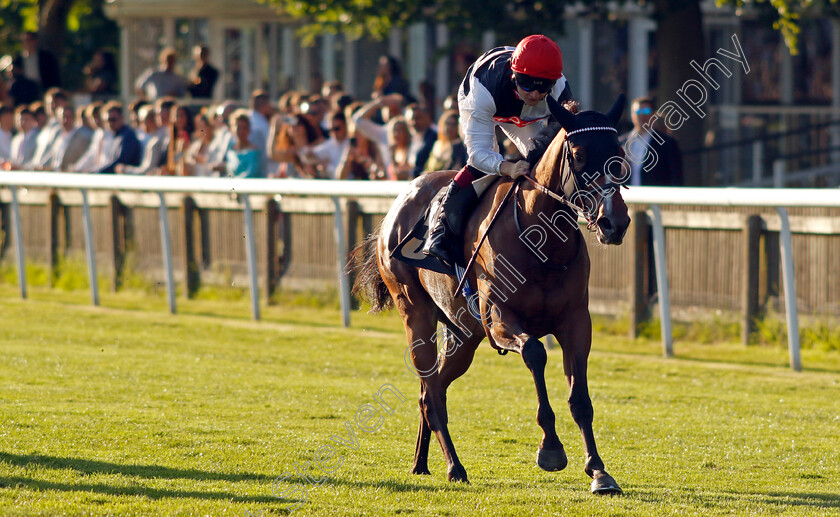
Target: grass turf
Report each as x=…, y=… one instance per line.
x=127, y=410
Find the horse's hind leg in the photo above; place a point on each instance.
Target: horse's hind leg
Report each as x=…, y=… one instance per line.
x=576, y=340
x=420, y=324
x=421, y=450
x=550, y=455
x=456, y=360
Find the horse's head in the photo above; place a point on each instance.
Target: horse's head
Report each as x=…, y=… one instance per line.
x=590, y=163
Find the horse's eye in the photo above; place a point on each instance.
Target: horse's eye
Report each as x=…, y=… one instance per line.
x=579, y=156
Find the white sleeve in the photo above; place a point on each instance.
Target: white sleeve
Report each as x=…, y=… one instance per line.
x=377, y=134
x=479, y=128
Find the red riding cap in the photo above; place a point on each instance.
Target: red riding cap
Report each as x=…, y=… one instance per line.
x=538, y=56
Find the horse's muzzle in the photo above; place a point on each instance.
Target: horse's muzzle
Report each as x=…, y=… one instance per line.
x=610, y=231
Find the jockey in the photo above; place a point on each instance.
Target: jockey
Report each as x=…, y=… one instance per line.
x=505, y=87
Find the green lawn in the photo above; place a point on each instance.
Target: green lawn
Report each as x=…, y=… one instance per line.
x=127, y=410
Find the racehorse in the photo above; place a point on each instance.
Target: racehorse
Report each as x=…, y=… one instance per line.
x=526, y=283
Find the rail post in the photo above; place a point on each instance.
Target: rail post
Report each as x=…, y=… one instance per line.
x=21, y=263
x=166, y=249
x=251, y=254
x=343, y=280
x=662, y=282
x=90, y=252
x=791, y=310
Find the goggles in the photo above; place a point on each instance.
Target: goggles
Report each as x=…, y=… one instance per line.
x=644, y=111
x=529, y=83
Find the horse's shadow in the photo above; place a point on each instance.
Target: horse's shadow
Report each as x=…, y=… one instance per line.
x=85, y=466
x=88, y=467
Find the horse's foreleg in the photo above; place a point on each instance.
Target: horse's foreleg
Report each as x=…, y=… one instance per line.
x=550, y=455
x=576, y=342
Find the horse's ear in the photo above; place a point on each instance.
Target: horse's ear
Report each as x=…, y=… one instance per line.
x=617, y=109
x=565, y=117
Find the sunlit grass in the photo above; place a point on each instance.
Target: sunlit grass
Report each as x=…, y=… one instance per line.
x=126, y=409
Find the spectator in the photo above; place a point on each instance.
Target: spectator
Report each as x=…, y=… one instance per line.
x=315, y=108
x=134, y=119
x=163, y=114
x=25, y=142
x=180, y=133
x=449, y=151
x=101, y=75
x=360, y=160
x=259, y=115
x=163, y=82
x=243, y=159
x=389, y=79
x=197, y=159
x=41, y=117
x=222, y=135
x=92, y=159
x=399, y=139
x=281, y=138
x=204, y=75
x=328, y=153
x=378, y=134
x=124, y=147
x=47, y=138
x=7, y=125
x=653, y=155
x=331, y=88
x=72, y=140
x=152, y=147
x=22, y=90
x=423, y=136
x=39, y=64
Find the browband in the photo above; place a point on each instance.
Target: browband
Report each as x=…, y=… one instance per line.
x=595, y=128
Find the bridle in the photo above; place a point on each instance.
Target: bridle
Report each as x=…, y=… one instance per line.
x=570, y=181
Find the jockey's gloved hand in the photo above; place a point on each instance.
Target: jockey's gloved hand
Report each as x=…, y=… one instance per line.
x=514, y=169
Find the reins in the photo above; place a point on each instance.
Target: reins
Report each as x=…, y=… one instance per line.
x=514, y=187
x=566, y=169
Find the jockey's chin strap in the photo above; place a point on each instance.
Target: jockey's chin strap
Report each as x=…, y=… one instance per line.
x=570, y=178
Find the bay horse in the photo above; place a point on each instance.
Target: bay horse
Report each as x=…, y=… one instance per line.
x=529, y=283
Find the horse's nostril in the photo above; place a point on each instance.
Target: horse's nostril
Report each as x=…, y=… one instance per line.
x=605, y=225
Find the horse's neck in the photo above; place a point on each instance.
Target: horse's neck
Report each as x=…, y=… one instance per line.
x=558, y=221
x=547, y=173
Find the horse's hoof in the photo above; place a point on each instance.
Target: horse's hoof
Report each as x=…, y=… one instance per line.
x=604, y=484
x=456, y=474
x=552, y=460
x=420, y=471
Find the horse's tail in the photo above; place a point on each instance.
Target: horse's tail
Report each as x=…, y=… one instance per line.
x=369, y=281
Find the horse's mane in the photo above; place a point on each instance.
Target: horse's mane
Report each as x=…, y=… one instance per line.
x=550, y=160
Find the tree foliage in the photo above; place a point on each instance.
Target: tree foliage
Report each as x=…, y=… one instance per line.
x=510, y=19
x=72, y=29
x=786, y=14
x=375, y=18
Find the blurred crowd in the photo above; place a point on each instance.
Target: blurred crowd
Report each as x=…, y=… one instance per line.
x=172, y=130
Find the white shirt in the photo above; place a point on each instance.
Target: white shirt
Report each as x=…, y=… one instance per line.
x=60, y=147
x=23, y=147
x=5, y=145
x=331, y=151
x=46, y=143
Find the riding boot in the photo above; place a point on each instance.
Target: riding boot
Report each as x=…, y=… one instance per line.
x=445, y=238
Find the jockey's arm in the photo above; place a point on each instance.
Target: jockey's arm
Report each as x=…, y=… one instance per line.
x=479, y=130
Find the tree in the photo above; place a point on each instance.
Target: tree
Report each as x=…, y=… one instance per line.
x=787, y=13
x=71, y=29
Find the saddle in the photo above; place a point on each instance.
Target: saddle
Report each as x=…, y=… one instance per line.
x=410, y=248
